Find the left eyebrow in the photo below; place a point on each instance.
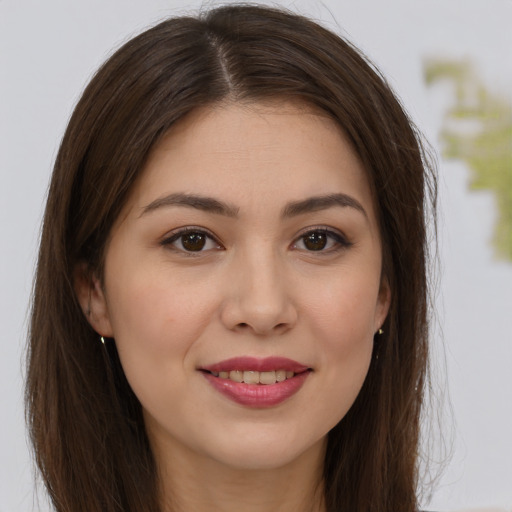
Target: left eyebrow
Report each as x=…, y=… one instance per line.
x=317, y=203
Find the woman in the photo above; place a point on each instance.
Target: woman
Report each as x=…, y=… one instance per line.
x=230, y=307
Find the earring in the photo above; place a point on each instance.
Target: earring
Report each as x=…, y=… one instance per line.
x=380, y=332
x=102, y=339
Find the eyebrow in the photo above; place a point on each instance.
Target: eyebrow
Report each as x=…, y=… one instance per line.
x=293, y=209
x=317, y=203
x=206, y=204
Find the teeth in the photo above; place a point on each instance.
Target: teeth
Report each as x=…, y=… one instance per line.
x=251, y=377
x=267, y=377
x=236, y=375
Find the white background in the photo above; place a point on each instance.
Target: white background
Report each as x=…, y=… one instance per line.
x=49, y=49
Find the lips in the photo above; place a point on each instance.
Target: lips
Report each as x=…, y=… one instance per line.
x=256, y=365
x=257, y=382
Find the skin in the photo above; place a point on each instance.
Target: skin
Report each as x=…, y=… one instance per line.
x=256, y=289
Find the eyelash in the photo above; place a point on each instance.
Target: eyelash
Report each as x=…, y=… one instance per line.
x=176, y=235
x=340, y=242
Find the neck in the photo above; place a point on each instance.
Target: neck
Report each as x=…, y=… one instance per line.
x=193, y=483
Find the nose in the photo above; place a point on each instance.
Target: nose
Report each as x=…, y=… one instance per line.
x=259, y=298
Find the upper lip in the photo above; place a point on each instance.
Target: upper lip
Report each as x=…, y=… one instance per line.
x=255, y=364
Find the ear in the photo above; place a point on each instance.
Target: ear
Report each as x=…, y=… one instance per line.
x=383, y=303
x=91, y=296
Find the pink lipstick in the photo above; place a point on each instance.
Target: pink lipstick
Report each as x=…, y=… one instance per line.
x=257, y=382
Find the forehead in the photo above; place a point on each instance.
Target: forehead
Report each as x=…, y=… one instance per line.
x=257, y=154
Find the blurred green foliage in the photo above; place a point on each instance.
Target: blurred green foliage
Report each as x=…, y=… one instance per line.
x=477, y=129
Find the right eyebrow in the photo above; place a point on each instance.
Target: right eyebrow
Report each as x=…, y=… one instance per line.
x=207, y=204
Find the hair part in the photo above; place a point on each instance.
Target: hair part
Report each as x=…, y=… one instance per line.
x=85, y=423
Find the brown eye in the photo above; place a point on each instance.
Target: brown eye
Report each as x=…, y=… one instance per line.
x=190, y=240
x=193, y=241
x=321, y=240
x=315, y=241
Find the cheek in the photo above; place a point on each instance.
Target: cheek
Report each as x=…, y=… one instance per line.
x=343, y=319
x=157, y=305
x=344, y=309
x=156, y=323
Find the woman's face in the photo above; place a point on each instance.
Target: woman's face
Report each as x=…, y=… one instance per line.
x=248, y=251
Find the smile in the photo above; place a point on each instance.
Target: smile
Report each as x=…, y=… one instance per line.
x=257, y=383
x=252, y=377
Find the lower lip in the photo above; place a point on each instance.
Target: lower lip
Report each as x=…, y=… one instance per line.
x=258, y=395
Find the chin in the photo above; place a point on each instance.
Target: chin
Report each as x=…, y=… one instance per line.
x=262, y=452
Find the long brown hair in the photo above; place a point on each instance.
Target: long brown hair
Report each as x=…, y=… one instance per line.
x=85, y=422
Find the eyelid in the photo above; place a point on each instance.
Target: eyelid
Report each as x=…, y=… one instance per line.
x=342, y=241
x=169, y=238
